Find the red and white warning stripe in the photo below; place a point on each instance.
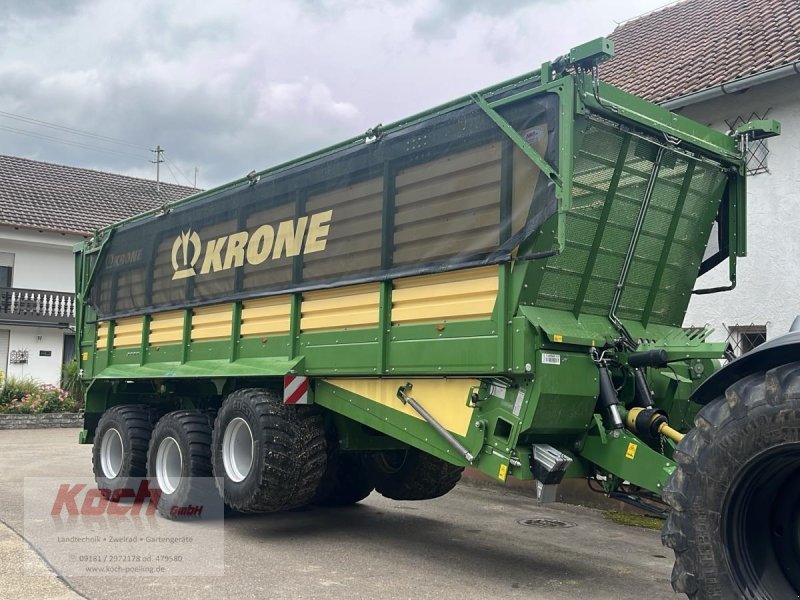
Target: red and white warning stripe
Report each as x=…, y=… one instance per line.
x=295, y=389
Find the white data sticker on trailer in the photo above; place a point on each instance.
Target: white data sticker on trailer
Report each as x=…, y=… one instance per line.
x=498, y=391
x=518, y=403
x=551, y=359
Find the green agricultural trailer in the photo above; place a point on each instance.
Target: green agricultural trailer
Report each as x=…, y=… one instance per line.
x=499, y=283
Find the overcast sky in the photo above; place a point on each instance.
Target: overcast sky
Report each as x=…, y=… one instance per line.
x=227, y=87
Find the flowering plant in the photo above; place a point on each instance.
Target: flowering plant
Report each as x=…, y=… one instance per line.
x=47, y=399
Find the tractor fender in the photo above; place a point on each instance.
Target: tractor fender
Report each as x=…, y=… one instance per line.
x=775, y=352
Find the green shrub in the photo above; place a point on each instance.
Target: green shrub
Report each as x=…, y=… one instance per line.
x=71, y=380
x=14, y=388
x=45, y=399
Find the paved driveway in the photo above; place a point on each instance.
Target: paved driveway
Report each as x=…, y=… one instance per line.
x=466, y=545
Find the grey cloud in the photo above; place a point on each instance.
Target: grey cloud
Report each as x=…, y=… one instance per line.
x=443, y=18
x=245, y=84
x=40, y=9
x=224, y=130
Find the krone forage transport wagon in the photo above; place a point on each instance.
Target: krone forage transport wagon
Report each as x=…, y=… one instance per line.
x=498, y=282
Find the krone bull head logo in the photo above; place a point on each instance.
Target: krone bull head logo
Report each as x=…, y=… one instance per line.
x=181, y=249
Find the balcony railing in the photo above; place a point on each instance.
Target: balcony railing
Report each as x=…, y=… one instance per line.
x=36, y=307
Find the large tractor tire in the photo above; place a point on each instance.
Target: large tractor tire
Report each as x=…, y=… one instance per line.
x=735, y=523
x=119, y=454
x=347, y=480
x=412, y=474
x=179, y=465
x=267, y=456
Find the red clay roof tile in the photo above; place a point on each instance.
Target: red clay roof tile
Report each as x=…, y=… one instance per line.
x=47, y=196
x=695, y=44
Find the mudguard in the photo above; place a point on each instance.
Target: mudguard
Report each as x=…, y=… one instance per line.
x=776, y=352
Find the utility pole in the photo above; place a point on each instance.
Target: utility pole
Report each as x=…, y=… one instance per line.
x=158, y=152
x=195, y=177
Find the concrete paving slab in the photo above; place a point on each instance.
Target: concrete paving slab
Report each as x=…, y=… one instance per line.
x=468, y=544
x=25, y=575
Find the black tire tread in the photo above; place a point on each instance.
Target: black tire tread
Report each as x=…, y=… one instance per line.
x=197, y=427
x=347, y=479
x=423, y=477
x=136, y=424
x=294, y=447
x=707, y=460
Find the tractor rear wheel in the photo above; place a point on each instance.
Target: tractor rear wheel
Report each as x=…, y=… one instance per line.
x=734, y=524
x=412, y=474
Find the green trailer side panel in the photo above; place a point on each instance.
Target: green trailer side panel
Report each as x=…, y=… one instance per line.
x=565, y=394
x=245, y=367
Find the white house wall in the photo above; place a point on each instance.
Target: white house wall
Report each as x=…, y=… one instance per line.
x=768, y=282
x=42, y=261
x=37, y=341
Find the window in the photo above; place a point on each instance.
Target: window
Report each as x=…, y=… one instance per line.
x=743, y=338
x=757, y=150
x=6, y=269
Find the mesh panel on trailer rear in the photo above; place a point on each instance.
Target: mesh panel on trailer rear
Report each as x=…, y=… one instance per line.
x=612, y=171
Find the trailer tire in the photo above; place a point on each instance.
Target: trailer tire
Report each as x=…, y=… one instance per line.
x=734, y=526
x=412, y=474
x=119, y=453
x=347, y=480
x=267, y=456
x=179, y=463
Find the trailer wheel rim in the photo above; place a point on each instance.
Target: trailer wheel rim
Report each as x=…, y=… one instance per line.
x=761, y=524
x=237, y=450
x=169, y=465
x=111, y=452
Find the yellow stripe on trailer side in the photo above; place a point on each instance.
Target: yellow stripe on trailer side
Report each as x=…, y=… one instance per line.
x=102, y=335
x=451, y=296
x=166, y=327
x=351, y=306
x=266, y=316
x=212, y=322
x=128, y=332
x=445, y=399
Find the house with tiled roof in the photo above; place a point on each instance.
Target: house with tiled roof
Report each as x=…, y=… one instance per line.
x=723, y=62
x=44, y=209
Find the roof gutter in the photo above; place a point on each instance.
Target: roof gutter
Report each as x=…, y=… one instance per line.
x=736, y=85
x=38, y=229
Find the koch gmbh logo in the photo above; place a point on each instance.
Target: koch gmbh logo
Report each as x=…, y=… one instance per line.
x=187, y=248
x=134, y=529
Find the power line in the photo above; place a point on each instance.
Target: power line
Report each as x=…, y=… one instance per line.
x=189, y=181
x=172, y=173
x=89, y=134
x=49, y=138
